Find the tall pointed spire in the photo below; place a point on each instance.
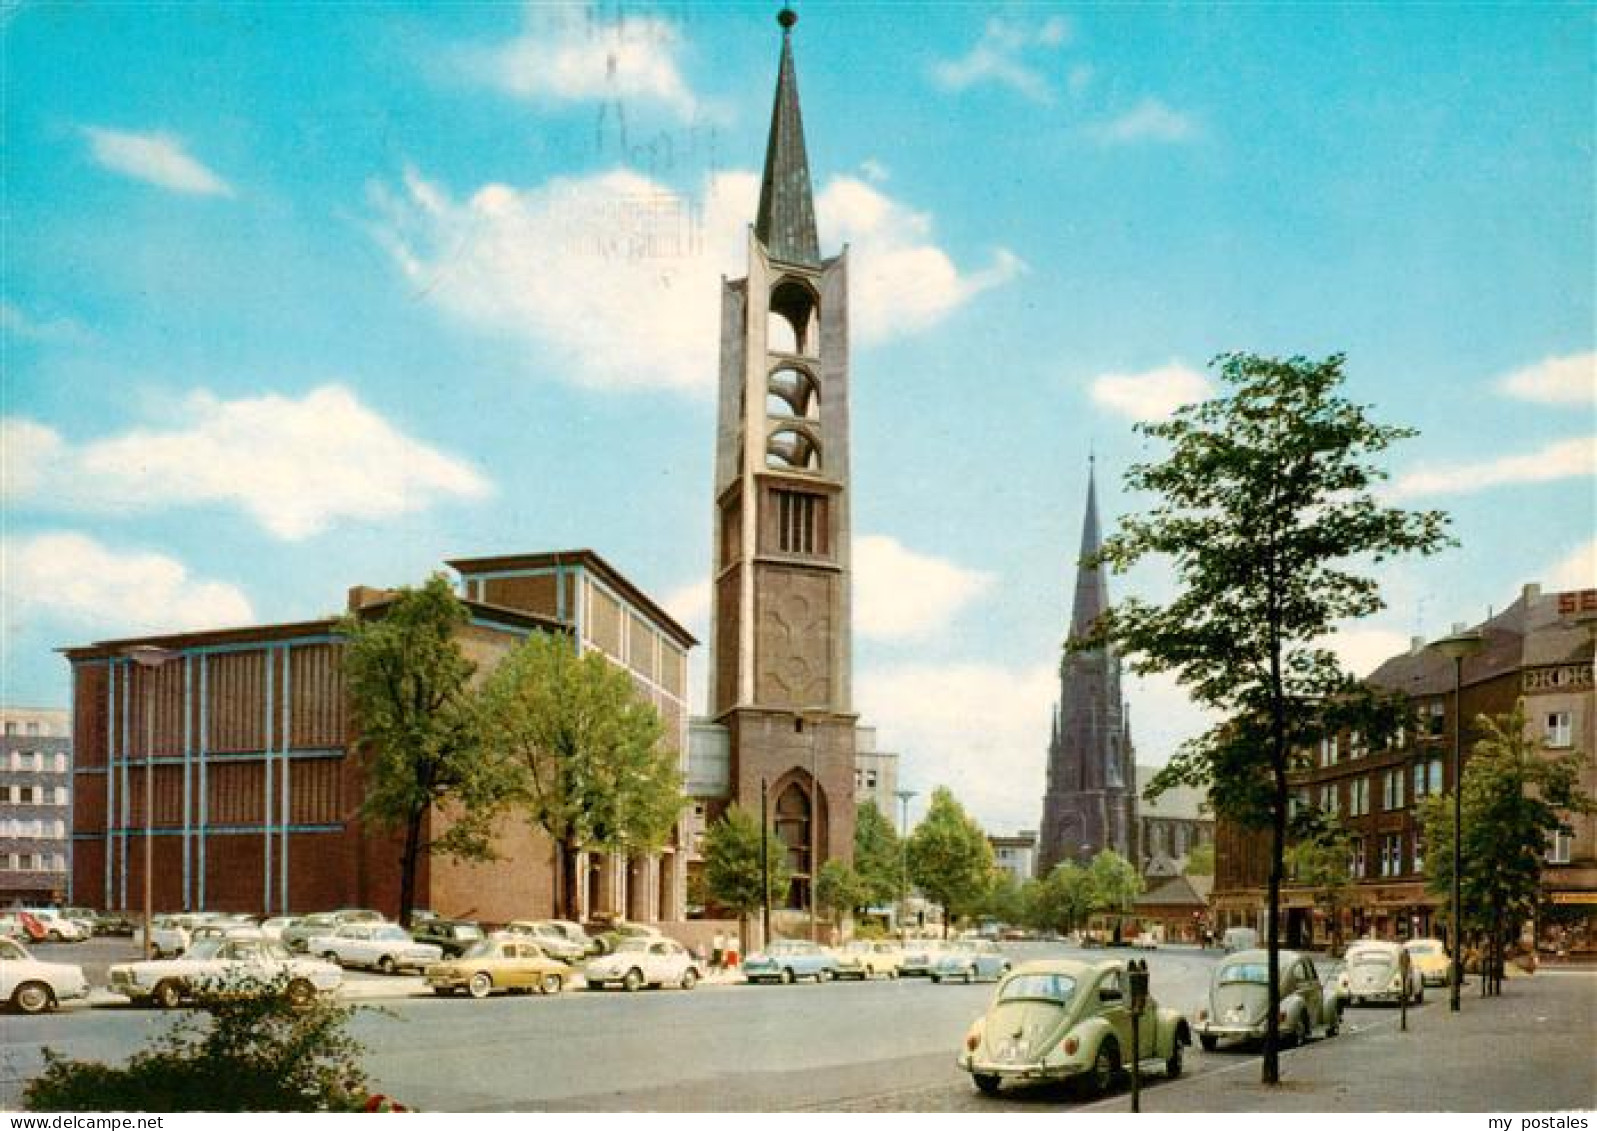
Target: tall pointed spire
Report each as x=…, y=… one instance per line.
x=785, y=223
x=1092, y=592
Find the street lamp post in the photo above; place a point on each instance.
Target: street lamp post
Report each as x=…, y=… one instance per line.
x=903, y=796
x=1455, y=648
x=150, y=658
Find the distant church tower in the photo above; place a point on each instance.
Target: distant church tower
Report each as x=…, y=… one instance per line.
x=780, y=627
x=1091, y=801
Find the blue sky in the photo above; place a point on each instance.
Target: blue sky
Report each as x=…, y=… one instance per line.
x=297, y=297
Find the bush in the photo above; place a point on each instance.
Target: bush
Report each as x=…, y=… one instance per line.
x=242, y=1050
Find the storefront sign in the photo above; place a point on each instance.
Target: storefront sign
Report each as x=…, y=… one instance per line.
x=1577, y=601
x=1567, y=897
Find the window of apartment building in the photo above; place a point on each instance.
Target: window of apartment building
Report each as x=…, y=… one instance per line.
x=1392, y=854
x=1419, y=855
x=30, y=861
x=33, y=728
x=1355, y=864
x=61, y=795
x=60, y=763
x=23, y=794
x=1392, y=790
x=1327, y=751
x=1329, y=798
x=13, y=862
x=11, y=728
x=1560, y=848
x=1436, y=719
x=58, y=828
x=1560, y=729
x=1359, y=797
x=1355, y=745
x=1400, y=739
x=58, y=863
x=1434, y=776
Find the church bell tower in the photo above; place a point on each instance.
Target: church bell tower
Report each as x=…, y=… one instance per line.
x=780, y=626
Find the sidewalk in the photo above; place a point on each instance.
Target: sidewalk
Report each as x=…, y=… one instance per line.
x=1529, y=1050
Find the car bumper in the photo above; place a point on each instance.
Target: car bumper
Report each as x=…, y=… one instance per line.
x=1214, y=1029
x=1375, y=995
x=1030, y=1071
x=1439, y=978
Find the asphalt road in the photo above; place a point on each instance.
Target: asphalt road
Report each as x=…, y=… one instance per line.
x=875, y=1046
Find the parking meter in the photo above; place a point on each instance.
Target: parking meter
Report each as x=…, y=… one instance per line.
x=1137, y=977
x=1403, y=961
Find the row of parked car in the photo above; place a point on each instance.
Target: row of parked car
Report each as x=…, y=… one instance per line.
x=1062, y=1020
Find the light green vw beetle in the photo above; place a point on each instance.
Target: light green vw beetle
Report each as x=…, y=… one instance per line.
x=1065, y=1020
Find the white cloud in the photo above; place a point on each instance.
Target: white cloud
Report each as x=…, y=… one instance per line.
x=690, y=605
x=295, y=466
x=1578, y=570
x=580, y=54
x=1153, y=395
x=615, y=277
x=980, y=729
x=997, y=58
x=28, y=452
x=1565, y=459
x=1364, y=648
x=903, y=595
x=1148, y=120
x=72, y=580
x=1557, y=380
x=15, y=320
x=156, y=158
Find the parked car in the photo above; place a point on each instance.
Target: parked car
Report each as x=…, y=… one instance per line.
x=1239, y=1000
x=14, y=926
x=639, y=962
x=576, y=934
x=222, y=965
x=379, y=946
x=1060, y=1019
x=225, y=929
x=920, y=956
x=1239, y=938
x=1429, y=957
x=553, y=941
x=509, y=964
x=82, y=916
x=57, y=927
x=452, y=936
x=272, y=928
x=1375, y=973
x=969, y=960
x=169, y=934
x=296, y=934
x=788, y=959
x=611, y=935
x=866, y=958
x=113, y=923
x=31, y=986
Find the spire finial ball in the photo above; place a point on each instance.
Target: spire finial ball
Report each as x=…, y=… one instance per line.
x=787, y=17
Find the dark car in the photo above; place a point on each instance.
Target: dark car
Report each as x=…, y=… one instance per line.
x=453, y=936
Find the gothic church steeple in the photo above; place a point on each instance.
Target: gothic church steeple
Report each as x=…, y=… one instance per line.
x=785, y=222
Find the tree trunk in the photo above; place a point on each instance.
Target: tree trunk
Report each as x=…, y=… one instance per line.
x=1272, y=1028
x=407, y=866
x=569, y=880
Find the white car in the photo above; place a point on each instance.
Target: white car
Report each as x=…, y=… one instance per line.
x=273, y=928
x=1375, y=973
x=553, y=941
x=224, y=964
x=380, y=946
x=31, y=986
x=648, y=961
x=57, y=927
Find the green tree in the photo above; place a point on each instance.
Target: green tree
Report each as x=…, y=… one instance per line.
x=1320, y=861
x=1114, y=884
x=839, y=889
x=1003, y=899
x=950, y=859
x=1515, y=798
x=878, y=855
x=732, y=866
x=1200, y=861
x=593, y=772
x=1061, y=900
x=1267, y=515
x=411, y=695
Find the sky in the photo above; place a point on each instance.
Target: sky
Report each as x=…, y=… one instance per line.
x=302, y=296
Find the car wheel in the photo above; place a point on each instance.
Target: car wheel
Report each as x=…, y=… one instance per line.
x=1172, y=1064
x=167, y=994
x=690, y=978
x=787, y=976
x=480, y=986
x=551, y=984
x=1304, y=1031
x=300, y=994
x=32, y=997
x=1105, y=1067
x=385, y=964
x=986, y=1084
x=1209, y=1042
x=1334, y=1025
x=936, y=978
x=823, y=975
x=633, y=982
x=1419, y=998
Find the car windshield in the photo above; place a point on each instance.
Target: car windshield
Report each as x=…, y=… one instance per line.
x=1256, y=973
x=1371, y=958
x=787, y=948
x=389, y=934
x=204, y=950
x=485, y=948
x=1425, y=947
x=1039, y=987
x=12, y=951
